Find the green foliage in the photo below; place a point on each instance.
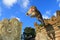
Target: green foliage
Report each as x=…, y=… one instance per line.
x=41, y=25
x=28, y=31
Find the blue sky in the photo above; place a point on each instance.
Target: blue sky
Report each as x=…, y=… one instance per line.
x=18, y=8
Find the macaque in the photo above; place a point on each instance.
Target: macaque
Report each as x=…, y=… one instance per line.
x=34, y=12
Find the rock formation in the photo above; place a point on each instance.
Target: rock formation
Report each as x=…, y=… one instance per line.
x=10, y=29
x=51, y=30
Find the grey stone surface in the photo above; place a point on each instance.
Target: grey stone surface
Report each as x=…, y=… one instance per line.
x=10, y=29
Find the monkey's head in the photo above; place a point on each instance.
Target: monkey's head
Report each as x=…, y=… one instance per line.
x=31, y=11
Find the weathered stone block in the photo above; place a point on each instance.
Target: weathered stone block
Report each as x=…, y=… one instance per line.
x=10, y=29
x=51, y=29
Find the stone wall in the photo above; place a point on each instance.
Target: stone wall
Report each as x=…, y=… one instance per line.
x=51, y=30
x=10, y=29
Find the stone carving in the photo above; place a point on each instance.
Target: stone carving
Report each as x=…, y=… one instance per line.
x=51, y=30
x=34, y=12
x=10, y=29
x=40, y=35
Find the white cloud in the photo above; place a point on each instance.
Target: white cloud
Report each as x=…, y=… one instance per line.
x=58, y=0
x=48, y=12
x=25, y=3
x=54, y=14
x=59, y=4
x=16, y=18
x=9, y=3
x=45, y=17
